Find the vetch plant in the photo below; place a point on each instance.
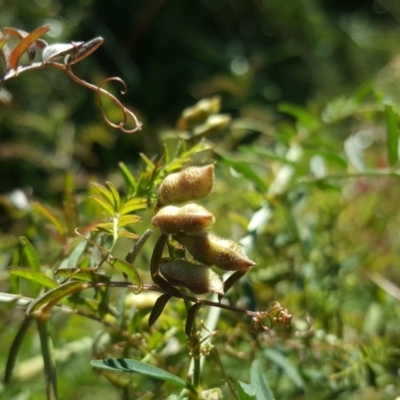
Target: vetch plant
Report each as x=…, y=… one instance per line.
x=178, y=276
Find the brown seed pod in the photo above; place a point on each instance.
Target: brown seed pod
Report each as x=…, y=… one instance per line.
x=190, y=184
x=209, y=249
x=190, y=218
x=197, y=278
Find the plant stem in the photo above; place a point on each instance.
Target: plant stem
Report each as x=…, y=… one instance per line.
x=48, y=357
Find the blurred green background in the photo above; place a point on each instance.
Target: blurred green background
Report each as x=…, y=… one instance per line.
x=255, y=54
x=306, y=83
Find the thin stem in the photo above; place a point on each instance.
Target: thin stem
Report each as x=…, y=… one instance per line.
x=48, y=358
x=196, y=371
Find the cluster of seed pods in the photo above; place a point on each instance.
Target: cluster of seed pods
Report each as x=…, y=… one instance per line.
x=188, y=225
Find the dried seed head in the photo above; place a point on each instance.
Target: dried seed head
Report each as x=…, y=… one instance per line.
x=209, y=249
x=190, y=184
x=197, y=278
x=190, y=218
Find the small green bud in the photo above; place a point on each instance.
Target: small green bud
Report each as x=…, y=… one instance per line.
x=190, y=218
x=209, y=249
x=190, y=184
x=197, y=278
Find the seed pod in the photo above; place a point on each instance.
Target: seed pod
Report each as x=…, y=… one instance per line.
x=213, y=125
x=197, y=278
x=209, y=249
x=190, y=218
x=190, y=184
x=198, y=113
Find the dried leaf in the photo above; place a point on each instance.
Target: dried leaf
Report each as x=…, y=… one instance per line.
x=57, y=51
x=24, y=44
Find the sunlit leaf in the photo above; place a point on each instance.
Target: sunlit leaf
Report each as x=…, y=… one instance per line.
x=115, y=194
x=127, y=234
x=147, y=160
x=127, y=365
x=58, y=50
x=128, y=220
x=33, y=276
x=29, y=253
x=392, y=135
x=130, y=180
x=128, y=269
x=52, y=297
x=257, y=377
x=21, y=34
x=133, y=205
x=24, y=44
x=246, y=391
x=158, y=308
x=104, y=204
x=50, y=216
x=103, y=191
x=354, y=153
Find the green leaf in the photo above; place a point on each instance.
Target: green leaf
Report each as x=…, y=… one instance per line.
x=147, y=161
x=302, y=115
x=33, y=276
x=76, y=254
x=108, y=207
x=133, y=205
x=127, y=365
x=245, y=169
x=127, y=269
x=30, y=253
x=104, y=192
x=128, y=220
x=257, y=377
x=115, y=194
x=158, y=308
x=50, y=216
x=290, y=369
x=15, y=348
x=129, y=179
x=246, y=391
x=392, y=135
x=52, y=297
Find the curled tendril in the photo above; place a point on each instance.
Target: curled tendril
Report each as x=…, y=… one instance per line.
x=127, y=113
x=277, y=316
x=99, y=91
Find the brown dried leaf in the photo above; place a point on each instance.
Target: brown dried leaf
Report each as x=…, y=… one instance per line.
x=24, y=45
